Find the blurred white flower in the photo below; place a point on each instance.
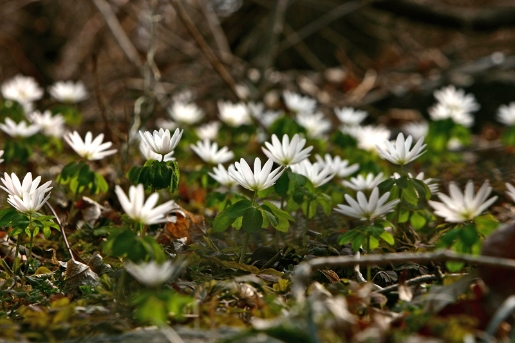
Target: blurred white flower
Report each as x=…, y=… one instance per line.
x=287, y=153
x=511, y=191
x=234, y=115
x=13, y=186
x=340, y=167
x=26, y=197
x=350, y=116
x=221, y=175
x=141, y=211
x=151, y=273
x=256, y=108
x=209, y=152
x=68, y=91
x=185, y=113
x=1, y=154
x=454, y=144
x=402, y=153
x=317, y=173
x=455, y=104
x=166, y=124
x=433, y=187
x=209, y=130
x=416, y=129
x=360, y=183
x=460, y=207
x=161, y=142
x=370, y=209
x=368, y=137
x=89, y=148
x=506, y=114
x=259, y=179
x=148, y=154
x=315, y=124
x=23, y=89
x=20, y=129
x=50, y=125
x=298, y=103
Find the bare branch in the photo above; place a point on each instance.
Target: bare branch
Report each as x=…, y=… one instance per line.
x=119, y=34
x=206, y=49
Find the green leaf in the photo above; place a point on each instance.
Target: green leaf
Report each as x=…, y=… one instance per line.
x=358, y=241
x=282, y=184
x=373, y=243
x=237, y=209
x=417, y=220
x=410, y=195
x=402, y=182
x=325, y=202
x=101, y=184
x=486, y=224
x=238, y=223
x=222, y=221
x=386, y=185
x=123, y=243
x=387, y=237
x=421, y=188
x=468, y=235
x=454, y=267
x=252, y=220
x=268, y=216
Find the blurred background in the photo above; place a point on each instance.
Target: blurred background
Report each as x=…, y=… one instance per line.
x=385, y=56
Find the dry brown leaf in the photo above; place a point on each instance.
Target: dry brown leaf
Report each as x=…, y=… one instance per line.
x=182, y=224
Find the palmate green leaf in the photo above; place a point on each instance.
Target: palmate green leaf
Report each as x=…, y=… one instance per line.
x=372, y=243
x=238, y=208
x=283, y=217
x=150, y=309
x=157, y=175
x=282, y=184
x=418, y=220
x=421, y=188
x=468, y=235
x=325, y=202
x=410, y=194
x=402, y=182
x=386, y=185
x=268, y=216
x=222, y=221
x=252, y=220
x=486, y=224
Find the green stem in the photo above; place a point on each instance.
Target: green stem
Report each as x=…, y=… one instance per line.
x=304, y=233
x=277, y=233
x=369, y=268
x=142, y=229
x=244, y=248
x=398, y=211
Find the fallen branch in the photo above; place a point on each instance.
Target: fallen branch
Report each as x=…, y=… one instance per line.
x=304, y=270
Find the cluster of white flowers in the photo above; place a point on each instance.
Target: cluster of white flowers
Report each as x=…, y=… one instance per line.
x=27, y=196
x=454, y=104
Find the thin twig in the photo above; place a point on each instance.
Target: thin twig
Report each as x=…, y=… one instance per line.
x=317, y=24
x=119, y=34
x=304, y=270
x=276, y=29
x=415, y=281
x=206, y=49
x=216, y=31
x=62, y=231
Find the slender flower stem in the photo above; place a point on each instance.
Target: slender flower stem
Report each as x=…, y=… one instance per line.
x=369, y=267
x=31, y=243
x=244, y=248
x=304, y=233
x=398, y=211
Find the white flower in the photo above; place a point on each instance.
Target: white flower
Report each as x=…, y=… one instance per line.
x=221, y=175
x=141, y=211
x=460, y=207
x=151, y=273
x=317, y=173
x=89, y=148
x=433, y=187
x=166, y=124
x=360, y=183
x=209, y=130
x=368, y=137
x=350, y=116
x=442, y=112
x=287, y=153
x=23, y=89
x=416, y=129
x=365, y=209
x=234, y=115
x=209, y=152
x=511, y=191
x=148, y=154
x=1, y=154
x=13, y=186
x=454, y=104
x=68, y=91
x=298, y=103
x=401, y=154
x=26, y=197
x=506, y=114
x=256, y=108
x=315, y=124
x=50, y=125
x=185, y=113
x=20, y=129
x=257, y=180
x=162, y=142
x=340, y=167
